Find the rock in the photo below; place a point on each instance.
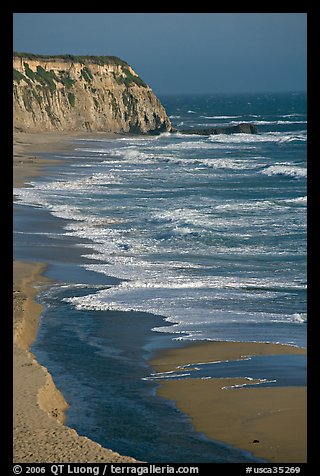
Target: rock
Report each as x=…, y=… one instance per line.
x=244, y=128
x=83, y=93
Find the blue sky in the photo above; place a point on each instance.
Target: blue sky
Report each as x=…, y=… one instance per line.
x=181, y=52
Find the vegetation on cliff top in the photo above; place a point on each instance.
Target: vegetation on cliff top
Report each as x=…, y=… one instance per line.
x=49, y=78
x=101, y=60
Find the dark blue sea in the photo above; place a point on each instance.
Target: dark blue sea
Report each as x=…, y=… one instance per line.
x=157, y=240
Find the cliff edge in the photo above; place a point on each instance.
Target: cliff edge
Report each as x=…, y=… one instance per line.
x=89, y=93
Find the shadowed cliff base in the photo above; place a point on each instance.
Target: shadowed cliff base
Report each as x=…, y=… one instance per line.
x=244, y=128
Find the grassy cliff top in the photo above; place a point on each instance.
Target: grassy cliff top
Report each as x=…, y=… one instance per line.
x=101, y=60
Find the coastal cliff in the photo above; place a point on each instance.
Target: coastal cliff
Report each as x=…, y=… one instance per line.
x=83, y=93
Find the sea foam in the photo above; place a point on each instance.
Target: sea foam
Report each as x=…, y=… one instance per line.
x=289, y=171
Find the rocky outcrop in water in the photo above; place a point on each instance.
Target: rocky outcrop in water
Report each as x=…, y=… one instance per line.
x=83, y=93
x=244, y=128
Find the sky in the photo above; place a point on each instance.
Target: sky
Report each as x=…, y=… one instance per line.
x=181, y=52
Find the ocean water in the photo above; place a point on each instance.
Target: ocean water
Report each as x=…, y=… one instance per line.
x=154, y=240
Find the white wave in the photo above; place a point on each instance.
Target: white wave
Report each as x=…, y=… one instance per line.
x=80, y=224
x=256, y=138
x=71, y=286
x=163, y=135
x=203, y=364
x=165, y=376
x=287, y=170
x=266, y=122
x=205, y=218
x=67, y=212
x=182, y=216
x=300, y=318
x=220, y=117
x=109, y=240
x=29, y=196
x=40, y=233
x=190, y=144
x=177, y=306
x=92, y=150
x=77, y=165
x=88, y=182
x=248, y=205
x=135, y=155
x=303, y=201
x=292, y=115
x=294, y=138
x=130, y=155
x=176, y=297
x=214, y=163
x=289, y=122
x=222, y=142
x=135, y=139
x=236, y=123
x=256, y=205
x=258, y=382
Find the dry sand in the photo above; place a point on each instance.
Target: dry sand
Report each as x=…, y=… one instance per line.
x=270, y=422
x=38, y=406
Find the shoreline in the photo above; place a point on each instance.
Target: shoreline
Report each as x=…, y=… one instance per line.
x=39, y=433
x=268, y=422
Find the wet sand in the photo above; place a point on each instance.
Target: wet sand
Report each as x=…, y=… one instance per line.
x=269, y=422
x=39, y=434
x=27, y=164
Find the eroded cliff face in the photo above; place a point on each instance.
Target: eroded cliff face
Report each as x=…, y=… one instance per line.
x=83, y=93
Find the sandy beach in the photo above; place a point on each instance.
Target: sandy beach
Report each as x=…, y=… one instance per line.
x=27, y=164
x=38, y=406
x=269, y=422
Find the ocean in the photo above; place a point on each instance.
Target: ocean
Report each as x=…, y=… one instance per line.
x=153, y=241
